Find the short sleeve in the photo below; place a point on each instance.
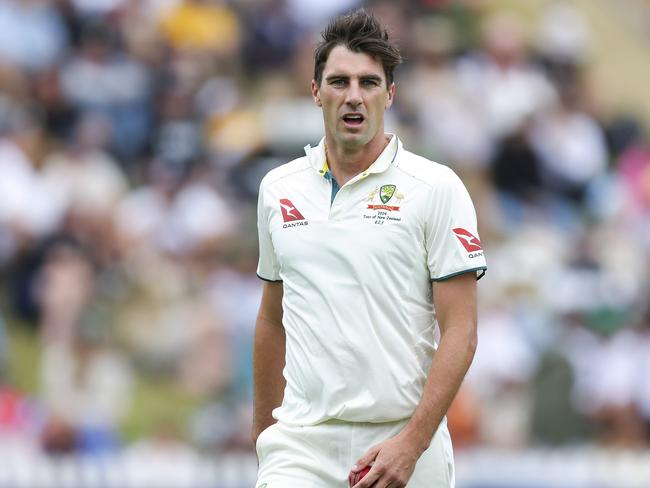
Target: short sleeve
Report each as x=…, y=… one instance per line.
x=268, y=268
x=452, y=242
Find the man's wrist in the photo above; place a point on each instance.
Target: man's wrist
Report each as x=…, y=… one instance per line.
x=419, y=437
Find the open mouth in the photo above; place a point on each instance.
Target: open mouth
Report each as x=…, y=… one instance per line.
x=353, y=119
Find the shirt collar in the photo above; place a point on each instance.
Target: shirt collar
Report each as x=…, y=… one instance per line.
x=317, y=160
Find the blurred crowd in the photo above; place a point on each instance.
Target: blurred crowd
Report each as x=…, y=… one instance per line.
x=134, y=134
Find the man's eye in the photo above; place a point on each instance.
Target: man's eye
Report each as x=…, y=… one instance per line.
x=337, y=82
x=370, y=82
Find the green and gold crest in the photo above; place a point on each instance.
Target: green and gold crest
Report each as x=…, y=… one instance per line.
x=386, y=192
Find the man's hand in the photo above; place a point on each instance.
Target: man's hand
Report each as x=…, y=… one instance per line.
x=393, y=462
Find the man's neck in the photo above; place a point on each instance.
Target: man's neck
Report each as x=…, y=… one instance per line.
x=346, y=163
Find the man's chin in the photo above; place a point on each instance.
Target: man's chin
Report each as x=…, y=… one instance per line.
x=353, y=140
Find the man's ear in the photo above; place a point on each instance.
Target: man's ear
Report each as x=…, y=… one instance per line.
x=315, y=93
x=391, y=95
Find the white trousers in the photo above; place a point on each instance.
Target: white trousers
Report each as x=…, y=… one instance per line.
x=321, y=456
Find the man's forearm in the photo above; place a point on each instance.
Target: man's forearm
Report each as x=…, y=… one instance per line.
x=450, y=363
x=268, y=363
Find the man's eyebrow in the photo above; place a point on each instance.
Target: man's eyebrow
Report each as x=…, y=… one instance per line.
x=338, y=76
x=370, y=77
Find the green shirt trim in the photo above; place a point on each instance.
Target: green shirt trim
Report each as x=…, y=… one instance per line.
x=480, y=275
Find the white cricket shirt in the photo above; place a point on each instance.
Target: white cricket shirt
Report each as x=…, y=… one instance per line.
x=356, y=272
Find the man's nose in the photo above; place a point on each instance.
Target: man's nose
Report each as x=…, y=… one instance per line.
x=353, y=95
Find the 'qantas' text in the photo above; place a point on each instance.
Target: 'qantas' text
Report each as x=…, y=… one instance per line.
x=295, y=224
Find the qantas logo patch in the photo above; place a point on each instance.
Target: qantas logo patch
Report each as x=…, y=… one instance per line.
x=469, y=241
x=291, y=215
x=289, y=211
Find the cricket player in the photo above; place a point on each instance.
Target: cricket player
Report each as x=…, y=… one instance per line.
x=365, y=248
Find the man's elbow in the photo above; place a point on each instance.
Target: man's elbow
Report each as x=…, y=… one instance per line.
x=464, y=335
x=472, y=343
x=469, y=338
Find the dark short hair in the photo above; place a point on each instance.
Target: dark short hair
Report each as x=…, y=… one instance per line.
x=360, y=32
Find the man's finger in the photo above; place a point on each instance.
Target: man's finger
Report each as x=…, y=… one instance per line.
x=369, y=479
x=352, y=479
x=355, y=477
x=366, y=459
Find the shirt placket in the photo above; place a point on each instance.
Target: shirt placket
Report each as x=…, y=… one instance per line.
x=340, y=194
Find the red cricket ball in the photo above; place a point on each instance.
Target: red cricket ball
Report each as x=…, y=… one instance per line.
x=354, y=478
x=363, y=472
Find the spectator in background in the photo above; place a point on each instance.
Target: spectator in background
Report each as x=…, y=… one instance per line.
x=501, y=79
x=59, y=115
x=633, y=167
x=29, y=207
x=32, y=34
x=97, y=8
x=500, y=375
x=140, y=215
x=64, y=286
x=86, y=384
x=562, y=41
x=89, y=178
x=448, y=126
x=156, y=321
x=314, y=15
x=233, y=292
x=608, y=367
x=177, y=139
x=516, y=168
x=570, y=145
x=202, y=27
x=100, y=77
x=175, y=214
x=272, y=36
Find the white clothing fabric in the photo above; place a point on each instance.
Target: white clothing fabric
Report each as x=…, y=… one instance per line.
x=356, y=270
x=321, y=456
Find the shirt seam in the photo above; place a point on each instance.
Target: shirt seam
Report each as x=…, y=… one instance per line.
x=280, y=178
x=417, y=178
